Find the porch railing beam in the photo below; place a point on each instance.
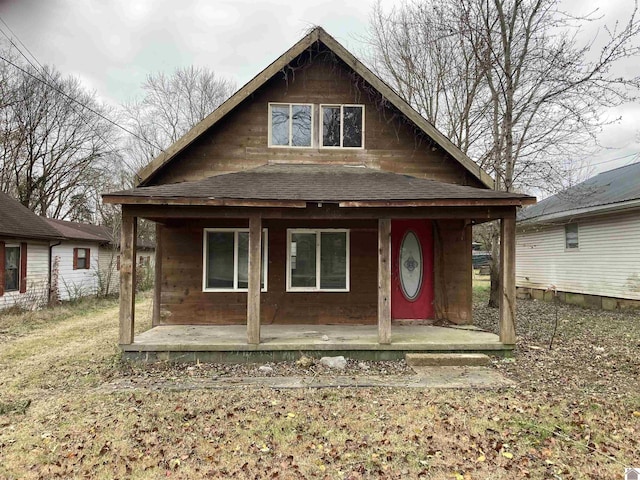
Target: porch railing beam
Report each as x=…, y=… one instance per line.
x=384, y=280
x=253, y=294
x=507, y=280
x=127, y=278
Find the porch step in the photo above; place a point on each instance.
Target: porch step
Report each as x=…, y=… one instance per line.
x=447, y=359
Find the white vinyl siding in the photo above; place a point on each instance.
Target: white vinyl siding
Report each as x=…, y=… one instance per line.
x=607, y=262
x=73, y=284
x=109, y=274
x=37, y=278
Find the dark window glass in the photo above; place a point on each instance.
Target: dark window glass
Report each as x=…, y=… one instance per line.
x=333, y=260
x=303, y=259
x=571, y=235
x=331, y=126
x=220, y=260
x=12, y=268
x=81, y=261
x=352, y=127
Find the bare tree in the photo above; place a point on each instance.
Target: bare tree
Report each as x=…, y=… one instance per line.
x=53, y=148
x=529, y=96
x=170, y=107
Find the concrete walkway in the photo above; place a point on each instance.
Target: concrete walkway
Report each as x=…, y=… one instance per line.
x=426, y=377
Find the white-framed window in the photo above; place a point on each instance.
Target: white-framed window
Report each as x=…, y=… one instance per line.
x=342, y=126
x=317, y=260
x=290, y=125
x=571, y=236
x=11, y=268
x=226, y=260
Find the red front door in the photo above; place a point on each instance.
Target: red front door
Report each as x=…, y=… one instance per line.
x=411, y=269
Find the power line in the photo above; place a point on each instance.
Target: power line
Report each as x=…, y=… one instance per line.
x=61, y=92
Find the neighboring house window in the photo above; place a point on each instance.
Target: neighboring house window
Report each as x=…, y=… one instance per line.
x=226, y=260
x=290, y=125
x=144, y=260
x=11, y=268
x=342, y=126
x=318, y=260
x=571, y=236
x=118, y=263
x=81, y=258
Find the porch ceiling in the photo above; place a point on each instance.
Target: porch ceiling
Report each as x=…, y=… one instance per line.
x=295, y=185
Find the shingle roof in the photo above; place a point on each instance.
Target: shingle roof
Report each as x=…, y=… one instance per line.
x=315, y=183
x=81, y=231
x=18, y=221
x=613, y=187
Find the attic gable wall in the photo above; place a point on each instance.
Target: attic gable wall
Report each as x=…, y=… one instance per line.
x=240, y=140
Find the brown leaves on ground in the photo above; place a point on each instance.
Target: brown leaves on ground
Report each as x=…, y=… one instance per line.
x=572, y=416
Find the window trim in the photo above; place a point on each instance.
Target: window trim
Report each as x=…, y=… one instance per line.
x=290, y=105
x=577, y=247
x=87, y=258
x=4, y=273
x=321, y=121
x=317, y=288
x=265, y=260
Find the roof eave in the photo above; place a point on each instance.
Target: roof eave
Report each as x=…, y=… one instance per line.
x=581, y=212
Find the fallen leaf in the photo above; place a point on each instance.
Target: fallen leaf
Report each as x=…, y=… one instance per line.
x=508, y=455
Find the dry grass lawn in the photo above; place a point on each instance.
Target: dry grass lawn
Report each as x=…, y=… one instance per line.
x=57, y=422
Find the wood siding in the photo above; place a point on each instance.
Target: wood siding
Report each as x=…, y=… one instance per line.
x=37, y=281
x=240, y=140
x=607, y=262
x=184, y=302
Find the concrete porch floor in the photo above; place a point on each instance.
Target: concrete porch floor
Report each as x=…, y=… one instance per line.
x=287, y=342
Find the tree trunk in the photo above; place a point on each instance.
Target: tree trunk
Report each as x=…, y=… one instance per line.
x=494, y=294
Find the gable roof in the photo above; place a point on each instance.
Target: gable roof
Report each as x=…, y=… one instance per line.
x=614, y=190
x=297, y=184
x=18, y=221
x=317, y=35
x=81, y=231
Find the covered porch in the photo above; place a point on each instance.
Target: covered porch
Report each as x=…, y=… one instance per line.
x=190, y=319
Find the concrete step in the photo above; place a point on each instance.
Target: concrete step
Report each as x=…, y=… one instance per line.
x=447, y=359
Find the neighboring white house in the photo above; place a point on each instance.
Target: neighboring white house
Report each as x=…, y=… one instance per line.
x=583, y=242
x=25, y=239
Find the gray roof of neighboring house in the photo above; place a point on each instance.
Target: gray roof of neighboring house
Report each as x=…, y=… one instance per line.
x=18, y=221
x=609, y=190
x=317, y=183
x=88, y=232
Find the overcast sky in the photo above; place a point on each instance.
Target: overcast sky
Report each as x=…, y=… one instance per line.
x=112, y=45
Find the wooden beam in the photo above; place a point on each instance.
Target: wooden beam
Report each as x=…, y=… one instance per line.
x=127, y=278
x=210, y=202
x=157, y=283
x=384, y=281
x=253, y=294
x=158, y=212
x=508, y=281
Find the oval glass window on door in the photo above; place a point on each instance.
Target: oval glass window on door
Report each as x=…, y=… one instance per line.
x=410, y=265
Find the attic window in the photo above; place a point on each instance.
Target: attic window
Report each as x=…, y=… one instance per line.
x=290, y=125
x=342, y=126
x=571, y=236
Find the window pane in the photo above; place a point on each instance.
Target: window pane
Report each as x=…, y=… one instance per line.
x=12, y=268
x=303, y=259
x=331, y=126
x=279, y=124
x=352, y=135
x=333, y=260
x=571, y=235
x=301, y=125
x=220, y=260
x=243, y=259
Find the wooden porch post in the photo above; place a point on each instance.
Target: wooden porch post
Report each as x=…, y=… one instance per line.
x=384, y=281
x=157, y=281
x=508, y=280
x=253, y=294
x=127, y=277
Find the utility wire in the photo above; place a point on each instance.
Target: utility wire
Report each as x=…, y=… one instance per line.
x=53, y=87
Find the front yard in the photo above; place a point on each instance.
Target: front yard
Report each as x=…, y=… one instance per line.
x=574, y=414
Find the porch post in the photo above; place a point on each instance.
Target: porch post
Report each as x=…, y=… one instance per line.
x=508, y=280
x=127, y=277
x=384, y=280
x=253, y=294
x=157, y=281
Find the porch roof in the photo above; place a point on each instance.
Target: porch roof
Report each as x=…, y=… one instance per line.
x=297, y=184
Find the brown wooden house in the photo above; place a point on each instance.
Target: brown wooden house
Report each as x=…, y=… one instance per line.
x=315, y=196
